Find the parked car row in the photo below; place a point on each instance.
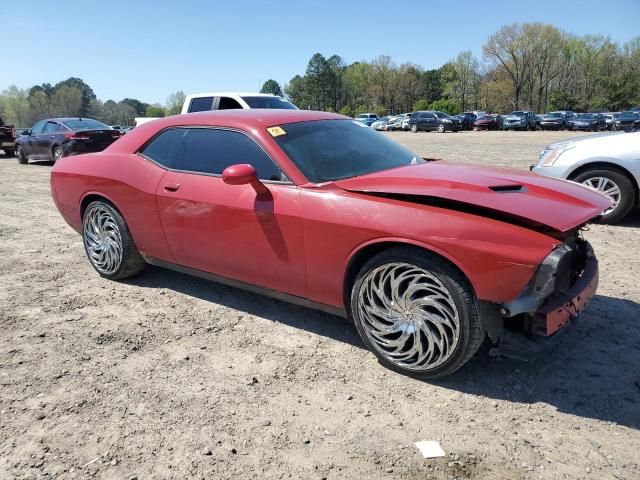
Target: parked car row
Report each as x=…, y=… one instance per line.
x=516, y=120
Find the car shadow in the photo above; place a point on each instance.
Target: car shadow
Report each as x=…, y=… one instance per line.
x=590, y=371
x=632, y=220
x=314, y=321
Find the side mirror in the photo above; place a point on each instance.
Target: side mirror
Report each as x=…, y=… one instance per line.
x=26, y=132
x=243, y=174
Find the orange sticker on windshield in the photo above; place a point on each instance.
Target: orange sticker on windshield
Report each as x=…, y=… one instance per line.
x=276, y=131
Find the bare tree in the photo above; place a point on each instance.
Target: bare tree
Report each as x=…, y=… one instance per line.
x=510, y=50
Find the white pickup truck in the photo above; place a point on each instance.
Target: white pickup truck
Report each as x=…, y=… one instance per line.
x=201, y=102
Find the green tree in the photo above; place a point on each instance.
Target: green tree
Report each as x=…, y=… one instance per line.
x=87, y=93
x=421, y=105
x=272, y=87
x=155, y=111
x=16, y=106
x=139, y=107
x=447, y=106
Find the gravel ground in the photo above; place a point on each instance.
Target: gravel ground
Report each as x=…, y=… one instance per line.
x=168, y=376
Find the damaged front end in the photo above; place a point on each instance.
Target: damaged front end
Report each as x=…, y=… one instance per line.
x=564, y=283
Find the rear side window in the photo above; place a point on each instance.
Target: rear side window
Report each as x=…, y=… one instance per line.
x=228, y=103
x=269, y=102
x=201, y=104
x=210, y=151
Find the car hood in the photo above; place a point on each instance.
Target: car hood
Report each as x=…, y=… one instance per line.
x=554, y=120
x=525, y=197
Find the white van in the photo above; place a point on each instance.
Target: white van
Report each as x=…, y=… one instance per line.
x=202, y=102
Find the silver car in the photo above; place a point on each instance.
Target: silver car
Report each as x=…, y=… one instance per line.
x=609, y=163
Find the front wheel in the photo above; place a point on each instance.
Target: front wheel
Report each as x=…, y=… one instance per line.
x=414, y=128
x=22, y=158
x=416, y=313
x=441, y=128
x=108, y=242
x=616, y=186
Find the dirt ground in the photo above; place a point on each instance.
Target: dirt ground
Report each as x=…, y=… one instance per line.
x=168, y=376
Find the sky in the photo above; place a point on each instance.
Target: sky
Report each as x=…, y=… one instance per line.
x=148, y=49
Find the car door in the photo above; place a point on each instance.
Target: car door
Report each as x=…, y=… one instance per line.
x=30, y=145
x=428, y=121
x=228, y=230
x=46, y=139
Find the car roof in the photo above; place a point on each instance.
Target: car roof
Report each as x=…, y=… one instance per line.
x=231, y=94
x=241, y=119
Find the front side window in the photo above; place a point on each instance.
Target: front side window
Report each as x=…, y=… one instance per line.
x=50, y=127
x=38, y=127
x=326, y=150
x=210, y=151
x=201, y=104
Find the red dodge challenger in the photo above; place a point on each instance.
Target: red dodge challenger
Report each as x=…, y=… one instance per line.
x=426, y=257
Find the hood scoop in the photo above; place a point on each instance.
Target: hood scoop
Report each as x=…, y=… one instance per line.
x=509, y=189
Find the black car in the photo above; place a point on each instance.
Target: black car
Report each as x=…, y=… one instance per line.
x=625, y=120
x=467, y=119
x=554, y=121
x=589, y=121
x=55, y=138
x=433, y=120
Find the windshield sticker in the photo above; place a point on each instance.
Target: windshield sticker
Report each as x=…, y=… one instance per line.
x=276, y=131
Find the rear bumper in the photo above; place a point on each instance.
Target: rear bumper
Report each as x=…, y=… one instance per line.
x=561, y=307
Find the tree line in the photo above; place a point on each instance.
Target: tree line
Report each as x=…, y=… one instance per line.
x=74, y=98
x=531, y=66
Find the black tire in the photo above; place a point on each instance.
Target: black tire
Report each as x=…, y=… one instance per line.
x=9, y=152
x=471, y=333
x=22, y=158
x=56, y=153
x=131, y=262
x=442, y=128
x=414, y=127
x=628, y=193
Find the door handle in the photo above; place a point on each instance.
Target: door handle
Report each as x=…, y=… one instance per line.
x=52, y=137
x=172, y=187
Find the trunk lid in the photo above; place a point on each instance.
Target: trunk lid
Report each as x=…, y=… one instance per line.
x=558, y=204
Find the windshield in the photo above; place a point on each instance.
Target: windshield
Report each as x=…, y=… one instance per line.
x=441, y=115
x=486, y=117
x=628, y=115
x=269, y=102
x=86, y=124
x=555, y=115
x=517, y=114
x=326, y=150
x=586, y=116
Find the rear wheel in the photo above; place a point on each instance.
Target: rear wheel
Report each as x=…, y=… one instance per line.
x=22, y=158
x=56, y=153
x=108, y=242
x=416, y=313
x=9, y=152
x=616, y=186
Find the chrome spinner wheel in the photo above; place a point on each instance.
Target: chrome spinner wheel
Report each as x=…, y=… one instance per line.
x=409, y=316
x=102, y=239
x=606, y=186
